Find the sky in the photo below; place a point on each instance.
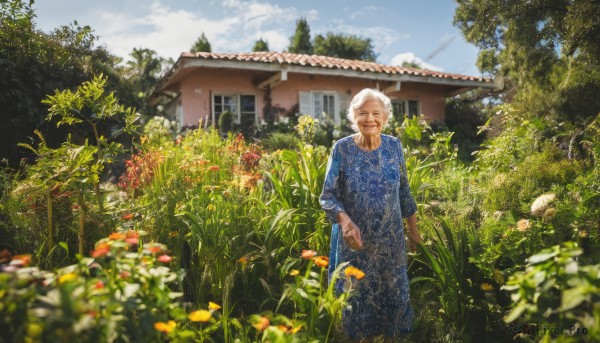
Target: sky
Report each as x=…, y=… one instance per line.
x=401, y=30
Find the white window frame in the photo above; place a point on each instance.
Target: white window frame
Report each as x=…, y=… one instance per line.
x=238, y=112
x=406, y=103
x=313, y=110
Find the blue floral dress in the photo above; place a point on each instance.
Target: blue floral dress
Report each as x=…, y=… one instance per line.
x=372, y=188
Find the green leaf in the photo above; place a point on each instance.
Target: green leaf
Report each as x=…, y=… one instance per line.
x=516, y=312
x=571, y=298
x=535, y=259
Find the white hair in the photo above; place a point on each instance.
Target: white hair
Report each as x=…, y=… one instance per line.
x=360, y=98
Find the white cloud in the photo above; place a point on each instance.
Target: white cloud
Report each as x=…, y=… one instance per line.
x=368, y=10
x=412, y=58
x=170, y=32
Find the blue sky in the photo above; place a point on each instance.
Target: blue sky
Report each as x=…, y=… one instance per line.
x=401, y=30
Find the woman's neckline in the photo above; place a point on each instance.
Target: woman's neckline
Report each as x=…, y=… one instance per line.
x=364, y=150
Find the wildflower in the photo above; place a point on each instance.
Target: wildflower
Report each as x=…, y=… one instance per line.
x=262, y=324
x=213, y=306
x=66, y=278
x=75, y=206
x=583, y=233
x=165, y=327
x=541, y=204
x=549, y=213
x=498, y=277
x=243, y=260
x=523, y=225
x=117, y=236
x=164, y=258
x=101, y=250
x=353, y=271
x=24, y=259
x=294, y=272
x=321, y=261
x=487, y=287
x=214, y=168
x=124, y=274
x=308, y=254
x=99, y=285
x=210, y=207
x=155, y=249
x=132, y=237
x=127, y=216
x=200, y=316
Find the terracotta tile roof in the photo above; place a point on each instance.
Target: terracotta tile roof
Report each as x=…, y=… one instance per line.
x=327, y=62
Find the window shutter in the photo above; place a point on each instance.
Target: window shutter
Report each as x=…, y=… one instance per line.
x=304, y=103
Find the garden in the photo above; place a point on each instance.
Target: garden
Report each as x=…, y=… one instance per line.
x=118, y=226
x=216, y=238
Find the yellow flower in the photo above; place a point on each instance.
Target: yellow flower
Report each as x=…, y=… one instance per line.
x=353, y=271
x=321, y=261
x=213, y=306
x=210, y=207
x=200, y=316
x=294, y=272
x=487, y=287
x=165, y=327
x=66, y=278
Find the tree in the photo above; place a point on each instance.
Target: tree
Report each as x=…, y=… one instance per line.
x=344, y=46
x=300, y=41
x=548, y=49
x=260, y=45
x=142, y=72
x=34, y=64
x=201, y=44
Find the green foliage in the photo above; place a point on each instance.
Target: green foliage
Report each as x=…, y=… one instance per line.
x=225, y=122
x=464, y=117
x=459, y=284
x=201, y=44
x=346, y=46
x=279, y=140
x=159, y=131
x=300, y=41
x=557, y=290
x=260, y=45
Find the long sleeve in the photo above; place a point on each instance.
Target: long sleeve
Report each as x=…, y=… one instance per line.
x=330, y=196
x=408, y=205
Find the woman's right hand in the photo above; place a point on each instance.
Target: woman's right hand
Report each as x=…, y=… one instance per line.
x=350, y=230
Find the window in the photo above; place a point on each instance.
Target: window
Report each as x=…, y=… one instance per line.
x=320, y=105
x=401, y=108
x=242, y=106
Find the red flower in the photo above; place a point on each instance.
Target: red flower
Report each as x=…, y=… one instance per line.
x=117, y=236
x=127, y=216
x=101, y=250
x=99, y=285
x=214, y=168
x=164, y=258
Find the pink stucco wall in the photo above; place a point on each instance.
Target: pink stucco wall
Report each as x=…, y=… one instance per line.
x=199, y=85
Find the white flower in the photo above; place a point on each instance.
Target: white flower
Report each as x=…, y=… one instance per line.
x=541, y=204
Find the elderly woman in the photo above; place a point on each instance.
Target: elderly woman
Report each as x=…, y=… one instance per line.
x=366, y=195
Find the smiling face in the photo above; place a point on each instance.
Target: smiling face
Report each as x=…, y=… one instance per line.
x=370, y=118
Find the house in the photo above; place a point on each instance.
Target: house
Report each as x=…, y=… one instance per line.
x=201, y=86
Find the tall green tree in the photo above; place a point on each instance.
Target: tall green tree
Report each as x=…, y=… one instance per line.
x=142, y=72
x=300, y=41
x=345, y=46
x=260, y=45
x=547, y=49
x=201, y=45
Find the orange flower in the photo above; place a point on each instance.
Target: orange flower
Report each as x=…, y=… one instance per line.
x=243, y=260
x=24, y=258
x=353, y=271
x=132, y=234
x=200, y=316
x=213, y=306
x=262, y=324
x=321, y=261
x=214, y=168
x=155, y=249
x=99, y=285
x=165, y=327
x=308, y=254
x=127, y=216
x=164, y=258
x=117, y=236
